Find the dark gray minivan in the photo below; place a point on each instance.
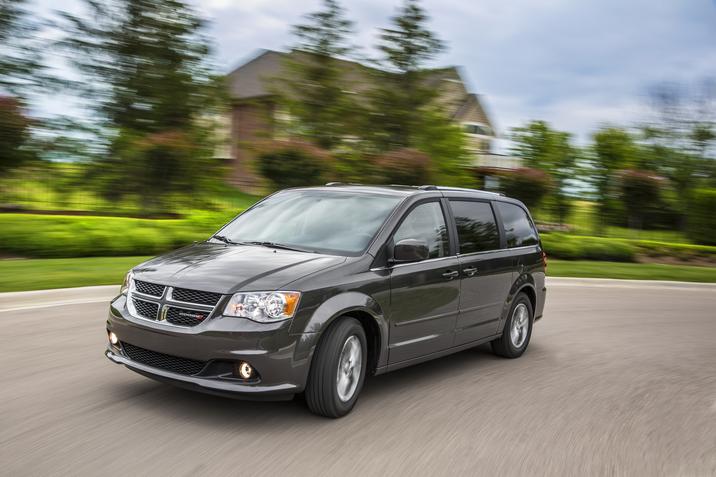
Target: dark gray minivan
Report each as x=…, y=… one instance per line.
x=312, y=289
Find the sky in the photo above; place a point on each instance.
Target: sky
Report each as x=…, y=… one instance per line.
x=577, y=64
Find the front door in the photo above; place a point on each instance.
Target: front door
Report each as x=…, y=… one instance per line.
x=425, y=294
x=485, y=269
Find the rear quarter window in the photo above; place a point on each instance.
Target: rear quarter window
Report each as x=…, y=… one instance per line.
x=519, y=231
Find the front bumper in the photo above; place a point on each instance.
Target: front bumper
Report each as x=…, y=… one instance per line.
x=281, y=359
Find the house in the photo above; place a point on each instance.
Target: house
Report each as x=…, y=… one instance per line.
x=253, y=112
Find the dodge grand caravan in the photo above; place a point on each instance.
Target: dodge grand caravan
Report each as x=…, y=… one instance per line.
x=312, y=289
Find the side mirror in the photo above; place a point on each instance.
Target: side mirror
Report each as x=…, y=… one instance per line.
x=410, y=250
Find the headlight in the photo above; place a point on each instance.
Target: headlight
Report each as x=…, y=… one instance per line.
x=265, y=307
x=126, y=283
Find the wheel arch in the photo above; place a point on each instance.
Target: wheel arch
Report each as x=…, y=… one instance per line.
x=361, y=307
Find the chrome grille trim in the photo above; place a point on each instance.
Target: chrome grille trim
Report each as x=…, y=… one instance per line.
x=165, y=302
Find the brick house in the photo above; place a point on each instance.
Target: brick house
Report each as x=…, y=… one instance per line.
x=253, y=111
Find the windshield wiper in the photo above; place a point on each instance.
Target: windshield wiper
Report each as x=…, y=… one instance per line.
x=225, y=239
x=278, y=245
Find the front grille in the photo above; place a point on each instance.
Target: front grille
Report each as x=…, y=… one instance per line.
x=149, y=288
x=167, y=362
x=146, y=309
x=184, y=317
x=195, y=296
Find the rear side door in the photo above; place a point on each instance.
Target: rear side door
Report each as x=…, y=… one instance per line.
x=425, y=294
x=486, y=270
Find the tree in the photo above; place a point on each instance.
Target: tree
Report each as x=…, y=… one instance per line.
x=614, y=149
x=549, y=150
x=400, y=94
x=14, y=134
x=20, y=55
x=314, y=93
x=145, y=69
x=640, y=193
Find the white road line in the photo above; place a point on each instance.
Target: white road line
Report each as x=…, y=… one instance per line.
x=55, y=304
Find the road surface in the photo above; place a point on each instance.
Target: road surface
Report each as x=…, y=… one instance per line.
x=619, y=379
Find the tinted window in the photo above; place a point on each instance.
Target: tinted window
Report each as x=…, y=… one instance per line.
x=476, y=228
x=426, y=222
x=518, y=228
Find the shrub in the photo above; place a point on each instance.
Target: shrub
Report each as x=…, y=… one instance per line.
x=574, y=247
x=294, y=164
x=526, y=184
x=403, y=166
x=702, y=219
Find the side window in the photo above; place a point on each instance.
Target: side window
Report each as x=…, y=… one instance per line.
x=426, y=222
x=518, y=228
x=476, y=227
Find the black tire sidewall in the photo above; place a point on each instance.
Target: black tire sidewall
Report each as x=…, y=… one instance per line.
x=326, y=363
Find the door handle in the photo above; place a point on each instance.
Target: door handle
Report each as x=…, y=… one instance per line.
x=450, y=274
x=469, y=271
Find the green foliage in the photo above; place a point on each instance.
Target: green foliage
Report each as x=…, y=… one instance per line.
x=14, y=134
x=69, y=236
x=702, y=216
x=578, y=247
x=640, y=192
x=526, y=184
x=400, y=95
x=549, y=150
x=144, y=67
x=445, y=143
x=295, y=164
x=614, y=149
x=144, y=62
x=631, y=271
x=573, y=247
x=20, y=55
x=315, y=95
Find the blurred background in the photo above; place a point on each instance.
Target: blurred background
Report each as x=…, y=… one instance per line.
x=132, y=127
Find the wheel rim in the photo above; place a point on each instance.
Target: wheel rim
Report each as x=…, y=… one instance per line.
x=520, y=325
x=350, y=364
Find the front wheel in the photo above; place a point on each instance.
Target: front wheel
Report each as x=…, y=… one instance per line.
x=518, y=329
x=338, y=369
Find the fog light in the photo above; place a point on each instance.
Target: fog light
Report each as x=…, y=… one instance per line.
x=113, y=338
x=244, y=370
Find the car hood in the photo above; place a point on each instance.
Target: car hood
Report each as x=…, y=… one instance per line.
x=231, y=268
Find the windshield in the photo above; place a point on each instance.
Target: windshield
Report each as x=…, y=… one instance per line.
x=323, y=221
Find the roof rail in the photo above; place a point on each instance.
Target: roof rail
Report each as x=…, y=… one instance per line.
x=428, y=187
x=331, y=184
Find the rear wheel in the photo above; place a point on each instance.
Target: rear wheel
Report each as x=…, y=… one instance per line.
x=518, y=329
x=338, y=369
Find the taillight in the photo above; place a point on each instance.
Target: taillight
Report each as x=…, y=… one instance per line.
x=544, y=259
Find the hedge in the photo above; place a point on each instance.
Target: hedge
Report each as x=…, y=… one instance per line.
x=53, y=236
x=575, y=247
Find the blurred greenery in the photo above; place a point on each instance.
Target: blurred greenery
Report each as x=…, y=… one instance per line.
x=40, y=274
x=633, y=271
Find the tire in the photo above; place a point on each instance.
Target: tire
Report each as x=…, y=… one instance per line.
x=326, y=394
x=511, y=345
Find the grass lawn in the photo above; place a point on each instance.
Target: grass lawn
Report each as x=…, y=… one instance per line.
x=38, y=274
x=634, y=271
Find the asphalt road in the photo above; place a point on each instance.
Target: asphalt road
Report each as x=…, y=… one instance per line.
x=619, y=379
